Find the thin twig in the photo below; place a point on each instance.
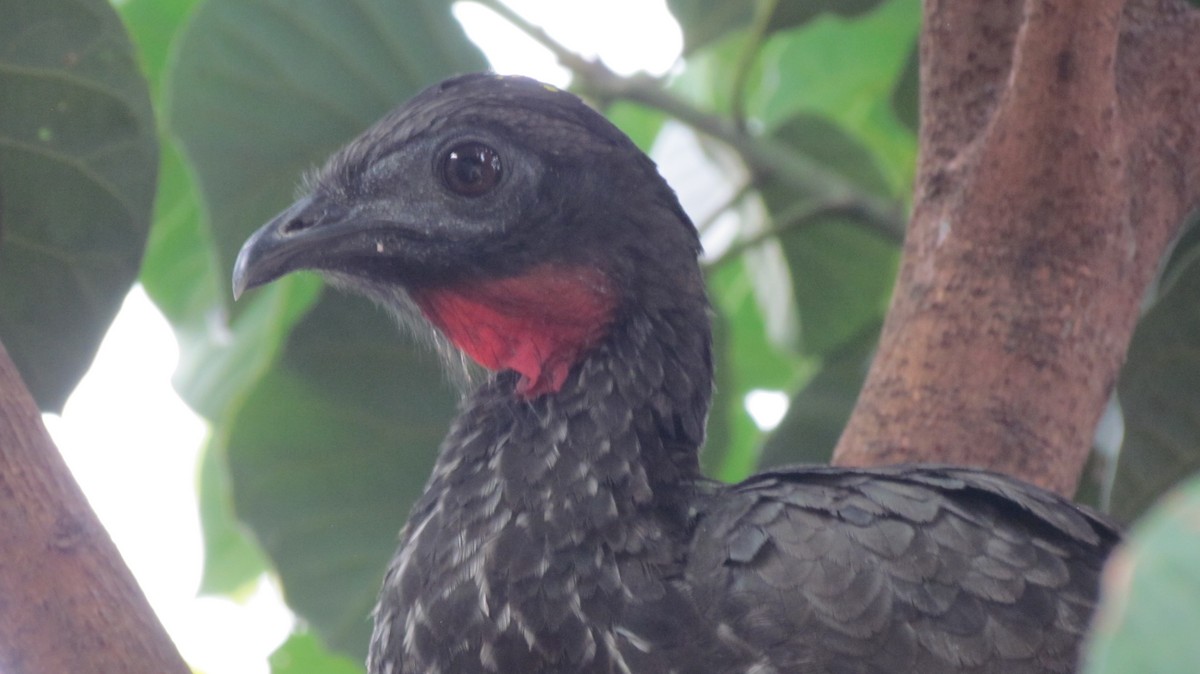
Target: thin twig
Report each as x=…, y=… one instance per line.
x=565, y=56
x=790, y=220
x=733, y=200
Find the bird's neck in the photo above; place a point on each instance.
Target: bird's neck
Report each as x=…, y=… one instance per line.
x=543, y=511
x=539, y=323
x=620, y=436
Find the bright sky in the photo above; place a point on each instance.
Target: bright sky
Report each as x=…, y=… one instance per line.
x=132, y=443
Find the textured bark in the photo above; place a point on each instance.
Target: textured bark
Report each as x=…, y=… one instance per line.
x=1060, y=152
x=67, y=601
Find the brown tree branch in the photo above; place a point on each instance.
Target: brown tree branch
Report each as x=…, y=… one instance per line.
x=1059, y=155
x=67, y=601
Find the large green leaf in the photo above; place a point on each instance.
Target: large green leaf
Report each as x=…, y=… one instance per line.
x=819, y=411
x=640, y=123
x=842, y=278
x=842, y=273
x=233, y=560
x=77, y=170
x=1159, y=391
x=846, y=70
x=217, y=371
x=327, y=455
x=1149, y=617
x=180, y=271
x=261, y=90
x=181, y=274
x=745, y=360
x=154, y=25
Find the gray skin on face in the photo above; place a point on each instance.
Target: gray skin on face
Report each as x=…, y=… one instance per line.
x=571, y=530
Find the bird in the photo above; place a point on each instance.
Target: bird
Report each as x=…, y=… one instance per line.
x=566, y=525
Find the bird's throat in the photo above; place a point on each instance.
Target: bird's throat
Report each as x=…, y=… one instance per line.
x=538, y=323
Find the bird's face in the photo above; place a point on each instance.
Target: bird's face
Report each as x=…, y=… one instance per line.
x=516, y=218
x=429, y=195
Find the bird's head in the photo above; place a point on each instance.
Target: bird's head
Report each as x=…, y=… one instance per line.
x=520, y=223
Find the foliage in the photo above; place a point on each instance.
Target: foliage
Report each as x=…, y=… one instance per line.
x=1149, y=619
x=1158, y=388
x=302, y=653
x=77, y=163
x=323, y=435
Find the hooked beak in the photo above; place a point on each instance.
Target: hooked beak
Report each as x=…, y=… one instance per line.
x=318, y=234
x=294, y=239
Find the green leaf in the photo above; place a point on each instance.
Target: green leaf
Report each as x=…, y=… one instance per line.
x=1148, y=617
x=302, y=653
x=1183, y=255
x=705, y=21
x=180, y=271
x=77, y=171
x=1159, y=395
x=640, y=123
x=259, y=91
x=906, y=95
x=218, y=368
x=263, y=89
x=745, y=360
x=215, y=372
x=826, y=142
x=154, y=25
x=181, y=274
x=233, y=561
x=819, y=411
x=328, y=454
x=842, y=279
x=846, y=70
x=842, y=274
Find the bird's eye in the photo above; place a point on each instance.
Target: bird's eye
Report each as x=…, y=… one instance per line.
x=471, y=169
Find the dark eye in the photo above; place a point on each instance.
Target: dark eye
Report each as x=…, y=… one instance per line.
x=471, y=169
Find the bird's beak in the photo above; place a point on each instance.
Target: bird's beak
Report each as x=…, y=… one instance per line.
x=312, y=233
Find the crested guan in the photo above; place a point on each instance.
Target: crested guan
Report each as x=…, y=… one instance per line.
x=566, y=526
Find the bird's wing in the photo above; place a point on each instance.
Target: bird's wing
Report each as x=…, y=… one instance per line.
x=906, y=569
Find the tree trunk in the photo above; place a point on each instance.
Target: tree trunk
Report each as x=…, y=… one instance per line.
x=1059, y=154
x=67, y=601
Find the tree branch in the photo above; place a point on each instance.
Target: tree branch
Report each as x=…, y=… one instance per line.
x=1058, y=160
x=67, y=601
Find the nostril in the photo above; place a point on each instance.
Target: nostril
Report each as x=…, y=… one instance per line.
x=295, y=225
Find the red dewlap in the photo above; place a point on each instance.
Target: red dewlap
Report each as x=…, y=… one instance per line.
x=538, y=323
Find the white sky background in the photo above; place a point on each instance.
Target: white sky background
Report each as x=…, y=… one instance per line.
x=132, y=443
